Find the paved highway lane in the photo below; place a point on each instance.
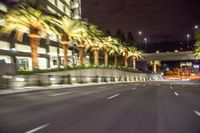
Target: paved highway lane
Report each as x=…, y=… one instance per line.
x=119, y=108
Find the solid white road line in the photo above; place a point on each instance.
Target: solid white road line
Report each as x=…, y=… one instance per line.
x=59, y=94
x=176, y=93
x=197, y=112
x=37, y=129
x=133, y=88
x=113, y=96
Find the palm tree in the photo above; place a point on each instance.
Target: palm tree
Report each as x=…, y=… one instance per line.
x=125, y=51
x=154, y=64
x=135, y=54
x=28, y=20
x=110, y=47
x=94, y=41
x=67, y=29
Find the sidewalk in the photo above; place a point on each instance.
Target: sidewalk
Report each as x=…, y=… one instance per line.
x=38, y=88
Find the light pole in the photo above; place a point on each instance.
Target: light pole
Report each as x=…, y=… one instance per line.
x=188, y=41
x=145, y=43
x=140, y=37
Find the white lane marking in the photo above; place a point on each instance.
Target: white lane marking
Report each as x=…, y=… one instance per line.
x=175, y=93
x=113, y=96
x=171, y=87
x=37, y=129
x=59, y=94
x=197, y=112
x=133, y=88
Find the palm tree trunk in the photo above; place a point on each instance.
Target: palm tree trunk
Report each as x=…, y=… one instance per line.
x=96, y=55
x=134, y=63
x=81, y=49
x=34, y=42
x=106, y=57
x=115, y=59
x=154, y=67
x=64, y=41
x=65, y=49
x=126, y=60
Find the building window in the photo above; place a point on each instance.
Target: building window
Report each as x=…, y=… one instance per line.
x=23, y=64
x=42, y=62
x=6, y=59
x=60, y=5
x=51, y=10
x=52, y=2
x=23, y=48
x=4, y=45
x=41, y=50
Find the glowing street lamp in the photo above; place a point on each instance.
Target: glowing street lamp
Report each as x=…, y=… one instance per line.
x=196, y=27
x=140, y=37
x=188, y=39
x=145, y=43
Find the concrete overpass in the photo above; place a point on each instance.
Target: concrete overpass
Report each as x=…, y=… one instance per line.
x=169, y=56
x=156, y=58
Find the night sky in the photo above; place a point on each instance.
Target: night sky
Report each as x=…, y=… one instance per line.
x=158, y=19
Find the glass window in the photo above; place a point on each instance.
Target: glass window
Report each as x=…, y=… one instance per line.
x=4, y=45
x=23, y=48
x=51, y=10
x=52, y=51
x=52, y=2
x=60, y=5
x=42, y=62
x=41, y=50
x=6, y=59
x=24, y=63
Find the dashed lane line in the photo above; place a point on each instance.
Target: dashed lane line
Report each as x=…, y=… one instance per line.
x=197, y=112
x=59, y=94
x=133, y=88
x=175, y=93
x=111, y=97
x=37, y=129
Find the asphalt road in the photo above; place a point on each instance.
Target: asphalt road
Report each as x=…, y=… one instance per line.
x=156, y=107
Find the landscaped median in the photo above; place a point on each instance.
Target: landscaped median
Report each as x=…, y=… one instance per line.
x=93, y=75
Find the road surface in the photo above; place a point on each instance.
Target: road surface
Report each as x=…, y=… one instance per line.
x=153, y=107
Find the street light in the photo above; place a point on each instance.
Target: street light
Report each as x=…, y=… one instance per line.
x=140, y=35
x=188, y=39
x=196, y=27
x=145, y=43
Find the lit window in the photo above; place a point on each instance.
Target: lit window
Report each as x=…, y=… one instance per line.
x=41, y=50
x=60, y=5
x=51, y=10
x=52, y=2
x=23, y=48
x=4, y=45
x=6, y=59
